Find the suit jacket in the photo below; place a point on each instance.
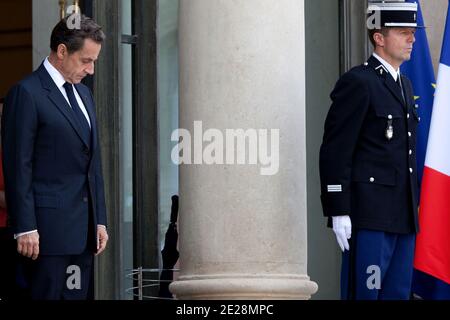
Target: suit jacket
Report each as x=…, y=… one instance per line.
x=53, y=179
x=363, y=172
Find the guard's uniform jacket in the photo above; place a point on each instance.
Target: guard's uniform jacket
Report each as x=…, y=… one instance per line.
x=368, y=156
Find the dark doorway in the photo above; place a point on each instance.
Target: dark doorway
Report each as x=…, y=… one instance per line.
x=16, y=55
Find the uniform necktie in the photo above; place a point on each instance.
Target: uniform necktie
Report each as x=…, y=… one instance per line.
x=82, y=121
x=399, y=83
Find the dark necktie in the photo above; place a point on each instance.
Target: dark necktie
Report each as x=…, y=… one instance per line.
x=82, y=121
x=399, y=83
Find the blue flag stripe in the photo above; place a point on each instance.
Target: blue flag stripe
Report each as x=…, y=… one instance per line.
x=429, y=288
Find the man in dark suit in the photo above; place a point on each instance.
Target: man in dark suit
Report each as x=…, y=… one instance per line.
x=52, y=165
x=368, y=163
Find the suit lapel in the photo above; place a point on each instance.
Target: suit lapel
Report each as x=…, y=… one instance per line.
x=395, y=89
x=59, y=101
x=90, y=110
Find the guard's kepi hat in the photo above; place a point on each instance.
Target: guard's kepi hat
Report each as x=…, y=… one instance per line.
x=396, y=13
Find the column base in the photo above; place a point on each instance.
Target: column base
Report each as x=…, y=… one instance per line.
x=244, y=287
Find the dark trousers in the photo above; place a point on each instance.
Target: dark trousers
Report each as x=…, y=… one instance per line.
x=65, y=277
x=379, y=266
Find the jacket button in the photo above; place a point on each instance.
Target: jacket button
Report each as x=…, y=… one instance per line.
x=407, y=116
x=409, y=134
x=85, y=199
x=390, y=117
x=410, y=152
x=86, y=150
x=411, y=170
x=372, y=179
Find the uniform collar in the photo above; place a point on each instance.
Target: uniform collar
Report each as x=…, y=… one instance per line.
x=394, y=73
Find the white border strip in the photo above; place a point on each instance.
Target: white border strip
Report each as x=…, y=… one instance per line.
x=392, y=7
x=400, y=24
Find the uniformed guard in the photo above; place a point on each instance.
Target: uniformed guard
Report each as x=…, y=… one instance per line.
x=369, y=189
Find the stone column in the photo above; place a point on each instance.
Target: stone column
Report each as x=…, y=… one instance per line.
x=242, y=233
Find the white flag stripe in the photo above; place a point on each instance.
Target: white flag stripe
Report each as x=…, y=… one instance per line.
x=438, y=148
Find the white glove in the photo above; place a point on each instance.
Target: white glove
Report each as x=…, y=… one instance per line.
x=342, y=227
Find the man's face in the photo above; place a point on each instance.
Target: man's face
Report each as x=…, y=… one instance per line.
x=398, y=43
x=76, y=66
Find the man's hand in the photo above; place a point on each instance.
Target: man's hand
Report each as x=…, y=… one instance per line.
x=28, y=245
x=102, y=239
x=342, y=227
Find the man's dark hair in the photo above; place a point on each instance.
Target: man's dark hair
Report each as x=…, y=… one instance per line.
x=371, y=32
x=74, y=38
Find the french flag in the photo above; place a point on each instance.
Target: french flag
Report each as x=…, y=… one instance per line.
x=432, y=256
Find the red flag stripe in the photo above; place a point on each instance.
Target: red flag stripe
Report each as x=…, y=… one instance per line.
x=432, y=254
